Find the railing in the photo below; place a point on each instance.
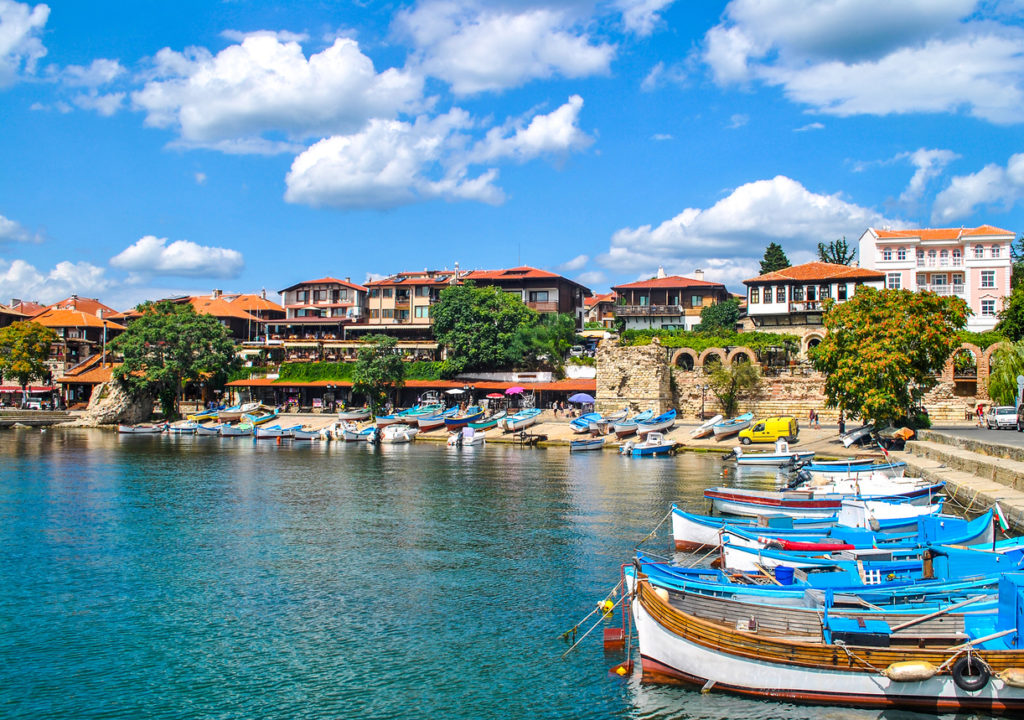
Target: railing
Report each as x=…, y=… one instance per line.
x=811, y=306
x=623, y=310
x=543, y=307
x=944, y=289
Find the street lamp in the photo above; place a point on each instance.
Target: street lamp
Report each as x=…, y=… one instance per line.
x=703, y=392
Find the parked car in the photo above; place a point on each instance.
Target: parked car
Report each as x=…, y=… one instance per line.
x=1001, y=417
x=33, y=405
x=771, y=429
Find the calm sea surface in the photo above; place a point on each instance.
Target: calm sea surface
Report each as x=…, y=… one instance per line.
x=163, y=577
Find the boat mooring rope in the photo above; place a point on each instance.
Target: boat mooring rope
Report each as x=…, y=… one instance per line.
x=605, y=610
x=601, y=607
x=655, y=530
x=841, y=645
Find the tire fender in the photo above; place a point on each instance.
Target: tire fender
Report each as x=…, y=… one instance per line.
x=971, y=673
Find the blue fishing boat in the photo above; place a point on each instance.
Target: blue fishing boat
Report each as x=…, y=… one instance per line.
x=260, y=416
x=456, y=422
x=628, y=426
x=486, y=423
x=581, y=424
x=654, y=443
x=584, y=445
x=662, y=423
x=426, y=423
x=725, y=428
x=521, y=420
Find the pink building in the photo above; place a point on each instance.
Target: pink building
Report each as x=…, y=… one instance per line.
x=972, y=263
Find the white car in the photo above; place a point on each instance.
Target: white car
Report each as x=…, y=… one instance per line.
x=1001, y=417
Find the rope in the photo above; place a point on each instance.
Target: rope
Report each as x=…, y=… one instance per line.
x=840, y=644
x=598, y=608
x=594, y=626
x=656, y=527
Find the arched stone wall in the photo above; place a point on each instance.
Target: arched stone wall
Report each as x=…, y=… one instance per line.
x=684, y=358
x=949, y=369
x=704, y=356
x=809, y=341
x=741, y=350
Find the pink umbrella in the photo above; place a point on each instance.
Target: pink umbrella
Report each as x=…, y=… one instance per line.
x=494, y=396
x=515, y=390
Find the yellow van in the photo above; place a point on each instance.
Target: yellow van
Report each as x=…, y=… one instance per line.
x=771, y=429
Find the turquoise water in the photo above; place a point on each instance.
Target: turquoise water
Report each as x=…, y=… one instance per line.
x=165, y=577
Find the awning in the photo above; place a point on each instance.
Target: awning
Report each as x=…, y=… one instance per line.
x=31, y=388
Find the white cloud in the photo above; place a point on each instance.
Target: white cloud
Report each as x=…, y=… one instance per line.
x=592, y=279
x=19, y=279
x=661, y=75
x=660, y=137
x=388, y=164
x=929, y=164
x=100, y=72
x=20, y=46
x=11, y=231
x=229, y=101
x=392, y=163
x=200, y=178
x=992, y=186
x=913, y=56
x=809, y=126
x=641, y=16
x=738, y=120
x=577, y=263
x=554, y=133
x=475, y=48
x=283, y=36
x=104, y=104
x=153, y=256
x=726, y=238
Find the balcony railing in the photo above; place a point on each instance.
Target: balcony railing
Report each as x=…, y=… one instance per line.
x=543, y=307
x=944, y=289
x=624, y=310
x=807, y=306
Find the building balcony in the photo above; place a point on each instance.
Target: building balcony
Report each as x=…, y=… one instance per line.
x=648, y=310
x=543, y=307
x=805, y=306
x=958, y=290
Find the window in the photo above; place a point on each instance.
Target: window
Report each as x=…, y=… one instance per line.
x=423, y=291
x=887, y=254
x=302, y=296
x=922, y=280
x=542, y=296
x=798, y=294
x=901, y=254
x=931, y=258
x=375, y=292
x=988, y=307
x=841, y=291
x=387, y=313
x=826, y=291
x=920, y=258
x=957, y=258
x=957, y=279
x=780, y=294
x=755, y=295
x=892, y=280
x=696, y=300
x=988, y=278
x=320, y=295
x=375, y=313
x=387, y=292
x=939, y=280
x=642, y=298
x=944, y=258
x=343, y=294
x=979, y=252
x=402, y=314
x=422, y=311
x=995, y=251
x=811, y=292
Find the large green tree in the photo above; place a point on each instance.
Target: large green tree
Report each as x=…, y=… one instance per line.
x=884, y=349
x=837, y=252
x=169, y=345
x=774, y=259
x=720, y=316
x=1007, y=364
x=479, y=326
x=741, y=379
x=1017, y=255
x=1011, y=317
x=379, y=370
x=544, y=342
x=24, y=349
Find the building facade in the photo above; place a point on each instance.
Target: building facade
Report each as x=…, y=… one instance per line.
x=403, y=302
x=669, y=302
x=971, y=263
x=543, y=291
x=601, y=309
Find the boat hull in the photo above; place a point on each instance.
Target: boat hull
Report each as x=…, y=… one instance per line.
x=585, y=445
x=774, y=459
x=729, y=501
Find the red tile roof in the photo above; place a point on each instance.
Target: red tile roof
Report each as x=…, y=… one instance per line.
x=89, y=305
x=74, y=318
x=672, y=281
x=219, y=308
x=817, y=271
x=940, y=233
x=594, y=300
x=326, y=281
x=250, y=303
x=27, y=308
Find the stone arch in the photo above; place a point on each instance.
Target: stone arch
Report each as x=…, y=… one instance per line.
x=684, y=359
x=809, y=341
x=985, y=362
x=949, y=369
x=738, y=353
x=710, y=353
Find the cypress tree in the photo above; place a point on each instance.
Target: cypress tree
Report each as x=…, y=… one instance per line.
x=774, y=259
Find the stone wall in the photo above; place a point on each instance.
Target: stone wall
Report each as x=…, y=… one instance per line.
x=110, y=404
x=639, y=377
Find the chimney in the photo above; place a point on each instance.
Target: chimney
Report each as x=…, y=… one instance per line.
x=661, y=272
x=263, y=293
x=698, y=275
x=216, y=294
x=348, y=279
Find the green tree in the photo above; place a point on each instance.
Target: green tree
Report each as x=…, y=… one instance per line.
x=169, y=345
x=546, y=341
x=730, y=383
x=24, y=349
x=1007, y=364
x=885, y=348
x=1017, y=255
x=836, y=252
x=1011, y=317
x=774, y=259
x=379, y=370
x=721, y=316
x=479, y=326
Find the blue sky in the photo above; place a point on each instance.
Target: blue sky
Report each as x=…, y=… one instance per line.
x=152, y=149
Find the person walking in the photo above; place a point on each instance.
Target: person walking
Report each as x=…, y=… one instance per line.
x=842, y=424
x=981, y=414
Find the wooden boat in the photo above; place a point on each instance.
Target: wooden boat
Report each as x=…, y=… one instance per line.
x=490, y=421
x=781, y=457
x=235, y=413
x=726, y=428
x=208, y=414
x=260, y=416
x=706, y=428
x=238, y=430
x=142, y=429
x=663, y=423
x=809, y=503
x=183, y=428
x=210, y=429
x=409, y=415
x=269, y=432
x=521, y=420
x=855, y=468
x=628, y=426
x=654, y=443
x=857, y=435
x=581, y=424
x=354, y=414
x=466, y=437
x=842, y=663
x=456, y=422
x=398, y=433
x=604, y=424
x=584, y=445
x=433, y=422
x=351, y=433
x=306, y=433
